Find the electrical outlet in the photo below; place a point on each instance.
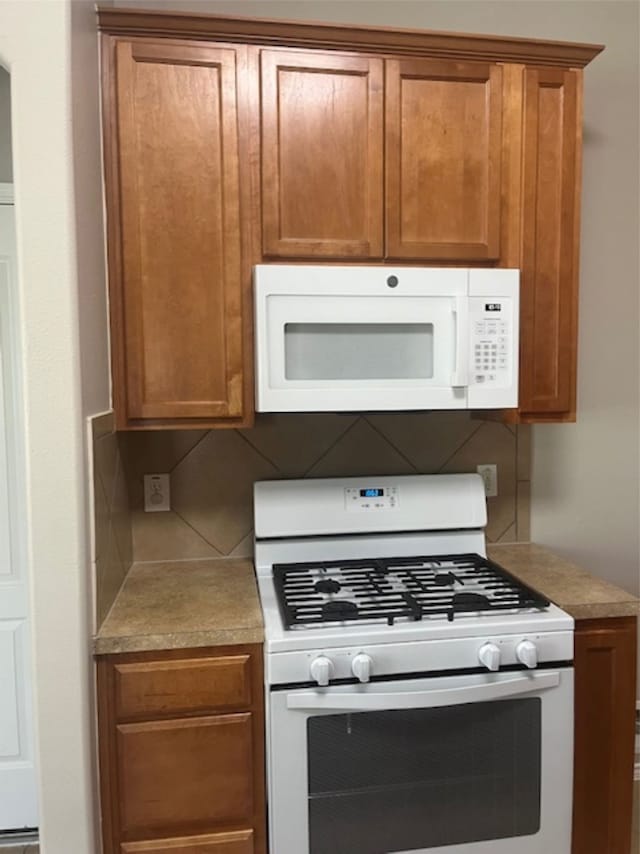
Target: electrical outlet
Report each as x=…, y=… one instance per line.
x=157, y=495
x=489, y=474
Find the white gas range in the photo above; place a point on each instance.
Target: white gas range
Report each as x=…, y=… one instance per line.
x=419, y=698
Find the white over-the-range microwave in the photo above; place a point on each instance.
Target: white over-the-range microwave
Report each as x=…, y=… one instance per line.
x=338, y=338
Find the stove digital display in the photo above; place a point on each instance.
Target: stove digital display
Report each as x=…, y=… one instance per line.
x=371, y=493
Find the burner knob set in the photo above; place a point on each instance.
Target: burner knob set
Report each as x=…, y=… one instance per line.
x=526, y=653
x=361, y=667
x=321, y=670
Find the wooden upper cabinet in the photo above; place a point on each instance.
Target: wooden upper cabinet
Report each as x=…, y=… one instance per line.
x=550, y=242
x=322, y=154
x=443, y=159
x=234, y=141
x=175, y=248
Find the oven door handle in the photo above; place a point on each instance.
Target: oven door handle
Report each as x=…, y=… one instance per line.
x=460, y=376
x=328, y=700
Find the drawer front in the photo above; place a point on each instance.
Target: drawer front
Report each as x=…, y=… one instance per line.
x=185, y=774
x=185, y=686
x=238, y=842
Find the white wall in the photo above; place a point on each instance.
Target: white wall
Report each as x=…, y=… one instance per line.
x=6, y=167
x=585, y=476
x=62, y=382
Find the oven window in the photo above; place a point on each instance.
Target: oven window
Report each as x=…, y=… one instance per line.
x=358, y=351
x=405, y=780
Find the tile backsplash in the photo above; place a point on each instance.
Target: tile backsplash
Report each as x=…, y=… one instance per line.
x=212, y=473
x=112, y=546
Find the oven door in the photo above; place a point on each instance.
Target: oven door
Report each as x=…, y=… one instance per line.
x=460, y=765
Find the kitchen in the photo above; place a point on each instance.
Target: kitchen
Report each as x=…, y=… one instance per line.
x=233, y=442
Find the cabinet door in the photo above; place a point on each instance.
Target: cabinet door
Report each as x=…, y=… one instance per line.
x=550, y=235
x=443, y=158
x=185, y=773
x=321, y=155
x=177, y=325
x=605, y=678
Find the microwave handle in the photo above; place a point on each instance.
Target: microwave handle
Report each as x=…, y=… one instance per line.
x=371, y=701
x=460, y=376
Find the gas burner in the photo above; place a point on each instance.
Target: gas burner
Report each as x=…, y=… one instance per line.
x=339, y=609
x=468, y=602
x=392, y=589
x=445, y=578
x=327, y=585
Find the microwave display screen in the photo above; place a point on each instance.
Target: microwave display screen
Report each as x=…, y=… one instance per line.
x=493, y=306
x=371, y=493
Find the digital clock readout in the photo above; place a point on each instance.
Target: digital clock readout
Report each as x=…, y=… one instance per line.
x=371, y=493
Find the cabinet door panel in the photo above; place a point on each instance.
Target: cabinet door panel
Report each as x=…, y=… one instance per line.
x=321, y=155
x=549, y=282
x=443, y=155
x=185, y=773
x=605, y=678
x=237, y=842
x=185, y=686
x=177, y=120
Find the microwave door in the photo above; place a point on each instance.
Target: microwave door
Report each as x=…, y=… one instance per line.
x=333, y=353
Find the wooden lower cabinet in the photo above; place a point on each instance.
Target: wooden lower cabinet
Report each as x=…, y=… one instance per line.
x=605, y=696
x=182, y=752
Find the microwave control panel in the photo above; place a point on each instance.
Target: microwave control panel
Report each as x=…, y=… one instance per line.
x=371, y=498
x=491, y=340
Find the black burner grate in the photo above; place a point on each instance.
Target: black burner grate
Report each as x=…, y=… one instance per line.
x=391, y=589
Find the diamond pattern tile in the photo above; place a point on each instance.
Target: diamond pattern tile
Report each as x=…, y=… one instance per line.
x=427, y=439
x=213, y=473
x=154, y=452
x=105, y=459
x=294, y=442
x=102, y=521
x=212, y=487
x=166, y=536
x=523, y=511
x=509, y=536
x=361, y=451
x=120, y=515
x=492, y=443
x=110, y=572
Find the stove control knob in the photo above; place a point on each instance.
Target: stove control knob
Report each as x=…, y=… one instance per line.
x=361, y=667
x=527, y=653
x=321, y=670
x=489, y=655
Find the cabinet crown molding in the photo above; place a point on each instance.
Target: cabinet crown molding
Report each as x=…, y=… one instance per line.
x=332, y=36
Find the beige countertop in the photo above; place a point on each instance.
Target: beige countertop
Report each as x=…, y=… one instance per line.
x=571, y=588
x=180, y=604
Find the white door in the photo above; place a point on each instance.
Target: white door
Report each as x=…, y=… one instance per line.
x=18, y=803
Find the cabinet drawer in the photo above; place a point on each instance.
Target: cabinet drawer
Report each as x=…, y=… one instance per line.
x=185, y=773
x=238, y=842
x=158, y=688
